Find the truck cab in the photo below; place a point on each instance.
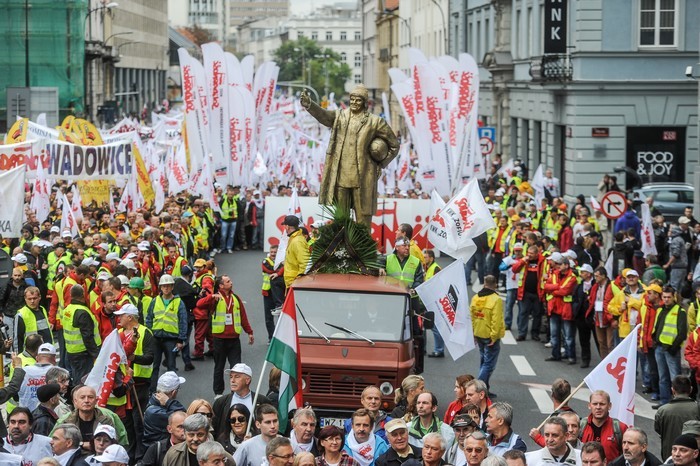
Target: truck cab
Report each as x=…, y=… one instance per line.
x=354, y=331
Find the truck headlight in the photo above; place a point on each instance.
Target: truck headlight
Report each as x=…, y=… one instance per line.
x=303, y=383
x=386, y=388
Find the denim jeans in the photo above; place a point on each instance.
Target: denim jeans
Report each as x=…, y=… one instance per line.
x=228, y=231
x=669, y=367
x=488, y=357
x=644, y=366
x=477, y=260
x=557, y=325
x=529, y=305
x=162, y=349
x=438, y=342
x=511, y=296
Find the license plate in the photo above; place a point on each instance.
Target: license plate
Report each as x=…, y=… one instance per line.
x=333, y=421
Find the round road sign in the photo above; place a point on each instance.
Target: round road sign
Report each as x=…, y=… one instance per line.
x=486, y=145
x=614, y=204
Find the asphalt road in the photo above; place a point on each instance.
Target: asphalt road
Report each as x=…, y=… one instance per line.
x=522, y=377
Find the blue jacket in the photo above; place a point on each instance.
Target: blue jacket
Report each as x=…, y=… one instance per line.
x=627, y=221
x=155, y=420
x=380, y=447
x=378, y=425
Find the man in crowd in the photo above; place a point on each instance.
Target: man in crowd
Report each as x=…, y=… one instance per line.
x=303, y=429
x=487, y=320
x=155, y=453
x=669, y=419
x=426, y=421
x=684, y=451
x=476, y=393
x=400, y=449
x=362, y=444
x=592, y=454
x=476, y=448
x=600, y=427
x=529, y=292
x=196, y=427
x=371, y=399
x=252, y=452
x=498, y=425
x=65, y=443
x=278, y=452
x=240, y=377
x=297, y=254
x=21, y=441
x=272, y=288
x=45, y=417
x=32, y=318
x=81, y=334
x=433, y=450
x=557, y=449
x=635, y=452
x=670, y=331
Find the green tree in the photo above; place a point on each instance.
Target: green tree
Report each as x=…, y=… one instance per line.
x=304, y=61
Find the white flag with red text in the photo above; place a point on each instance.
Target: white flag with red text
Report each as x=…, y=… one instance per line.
x=446, y=295
x=617, y=374
x=68, y=221
x=101, y=377
x=464, y=217
x=648, y=242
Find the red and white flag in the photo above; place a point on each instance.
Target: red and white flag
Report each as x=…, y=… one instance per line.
x=648, y=242
x=594, y=203
x=616, y=374
x=101, y=377
x=68, y=221
x=446, y=295
x=77, y=207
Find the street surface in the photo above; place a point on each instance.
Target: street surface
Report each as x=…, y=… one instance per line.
x=522, y=377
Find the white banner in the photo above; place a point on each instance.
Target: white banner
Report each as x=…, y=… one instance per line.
x=197, y=128
x=73, y=162
x=438, y=234
x=11, y=199
x=217, y=87
x=390, y=214
x=616, y=374
x=101, y=377
x=648, y=242
x=446, y=295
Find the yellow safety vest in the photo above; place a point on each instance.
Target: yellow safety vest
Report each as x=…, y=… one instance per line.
x=71, y=334
x=166, y=318
x=669, y=331
x=405, y=275
x=266, y=278
x=218, y=322
x=229, y=210
x=142, y=305
x=117, y=400
x=432, y=270
x=568, y=298
x=198, y=281
x=31, y=326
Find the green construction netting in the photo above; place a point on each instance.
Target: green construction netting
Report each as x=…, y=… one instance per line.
x=56, y=48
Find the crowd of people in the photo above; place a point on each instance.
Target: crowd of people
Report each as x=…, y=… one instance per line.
x=153, y=279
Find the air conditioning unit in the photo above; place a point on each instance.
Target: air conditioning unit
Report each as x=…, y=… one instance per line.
x=384, y=54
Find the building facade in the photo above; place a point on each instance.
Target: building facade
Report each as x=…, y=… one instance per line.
x=246, y=11
x=602, y=88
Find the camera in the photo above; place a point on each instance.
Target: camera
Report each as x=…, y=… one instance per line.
x=689, y=71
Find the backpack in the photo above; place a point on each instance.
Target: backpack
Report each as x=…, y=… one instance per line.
x=617, y=432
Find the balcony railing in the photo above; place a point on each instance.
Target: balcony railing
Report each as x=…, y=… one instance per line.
x=552, y=68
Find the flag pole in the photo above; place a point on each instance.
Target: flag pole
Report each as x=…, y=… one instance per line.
x=563, y=403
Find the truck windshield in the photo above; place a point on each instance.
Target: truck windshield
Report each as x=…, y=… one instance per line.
x=375, y=316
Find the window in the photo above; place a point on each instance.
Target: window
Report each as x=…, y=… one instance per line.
x=358, y=79
x=300, y=34
x=329, y=35
x=358, y=35
x=314, y=35
x=344, y=57
x=343, y=35
x=358, y=60
x=657, y=23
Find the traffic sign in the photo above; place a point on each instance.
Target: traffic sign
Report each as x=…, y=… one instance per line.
x=487, y=139
x=614, y=204
x=486, y=146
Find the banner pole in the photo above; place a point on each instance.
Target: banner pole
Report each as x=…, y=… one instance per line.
x=563, y=403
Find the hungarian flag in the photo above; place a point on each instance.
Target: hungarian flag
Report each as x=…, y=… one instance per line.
x=616, y=374
x=283, y=353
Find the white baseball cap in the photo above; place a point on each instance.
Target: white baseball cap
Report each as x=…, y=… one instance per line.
x=104, y=276
x=47, y=348
x=66, y=234
x=144, y=246
x=89, y=261
x=170, y=381
x=128, y=308
x=104, y=246
x=113, y=256
x=114, y=454
x=55, y=229
x=586, y=268
x=124, y=279
x=242, y=368
x=21, y=258
x=107, y=430
x=129, y=264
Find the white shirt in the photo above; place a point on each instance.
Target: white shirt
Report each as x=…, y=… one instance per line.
x=65, y=457
x=246, y=400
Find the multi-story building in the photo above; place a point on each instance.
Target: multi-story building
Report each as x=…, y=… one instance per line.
x=585, y=87
x=247, y=11
x=206, y=14
x=337, y=27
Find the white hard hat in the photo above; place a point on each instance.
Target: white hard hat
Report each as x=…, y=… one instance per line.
x=166, y=280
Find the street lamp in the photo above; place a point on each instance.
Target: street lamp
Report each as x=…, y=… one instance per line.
x=127, y=43
x=444, y=24
x=117, y=34
x=325, y=71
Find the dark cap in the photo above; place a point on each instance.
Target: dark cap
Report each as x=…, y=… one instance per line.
x=291, y=220
x=61, y=245
x=463, y=420
x=186, y=270
x=687, y=441
x=48, y=391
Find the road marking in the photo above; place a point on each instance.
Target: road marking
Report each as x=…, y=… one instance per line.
x=642, y=406
x=508, y=339
x=522, y=366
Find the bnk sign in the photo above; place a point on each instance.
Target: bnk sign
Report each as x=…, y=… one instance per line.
x=555, y=17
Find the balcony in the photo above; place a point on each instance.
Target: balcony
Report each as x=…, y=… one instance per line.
x=552, y=68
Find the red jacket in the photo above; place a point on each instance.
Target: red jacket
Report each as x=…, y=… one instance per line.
x=104, y=323
x=692, y=352
x=607, y=317
x=612, y=448
x=561, y=285
x=209, y=303
x=522, y=264
x=565, y=238
x=646, y=341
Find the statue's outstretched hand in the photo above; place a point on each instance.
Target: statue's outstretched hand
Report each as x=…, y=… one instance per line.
x=305, y=99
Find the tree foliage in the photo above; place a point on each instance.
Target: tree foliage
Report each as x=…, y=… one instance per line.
x=200, y=35
x=304, y=61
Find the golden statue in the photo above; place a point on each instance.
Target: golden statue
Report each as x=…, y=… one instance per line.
x=361, y=145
